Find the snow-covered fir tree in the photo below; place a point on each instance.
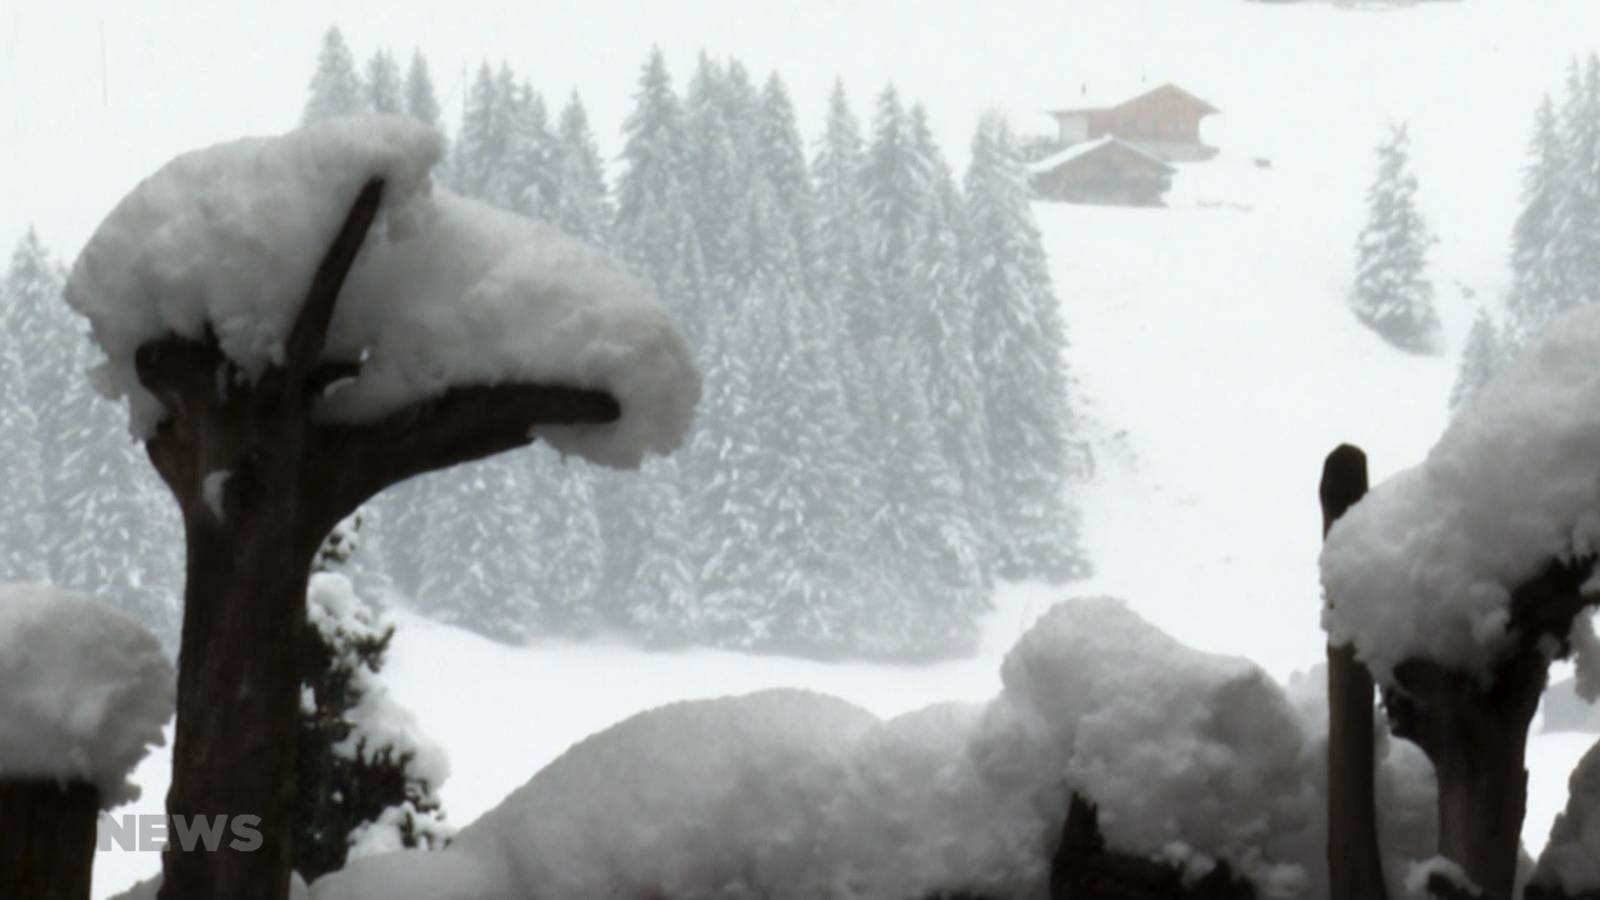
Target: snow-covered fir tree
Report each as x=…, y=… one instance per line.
x=479, y=566
x=652, y=212
x=383, y=85
x=367, y=779
x=336, y=88
x=483, y=149
x=532, y=188
x=584, y=207
x=29, y=277
x=1484, y=354
x=1535, y=290
x=422, y=102
x=1392, y=294
x=650, y=584
x=1021, y=344
x=564, y=549
x=1574, y=244
x=101, y=522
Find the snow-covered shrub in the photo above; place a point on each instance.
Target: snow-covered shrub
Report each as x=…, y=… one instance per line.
x=84, y=690
x=367, y=775
x=1193, y=758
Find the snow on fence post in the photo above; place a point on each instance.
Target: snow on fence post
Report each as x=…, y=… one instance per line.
x=1355, y=863
x=48, y=849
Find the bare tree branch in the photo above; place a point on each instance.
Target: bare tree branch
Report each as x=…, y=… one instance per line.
x=309, y=335
x=351, y=463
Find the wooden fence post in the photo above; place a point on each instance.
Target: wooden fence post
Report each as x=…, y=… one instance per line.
x=1355, y=866
x=47, y=852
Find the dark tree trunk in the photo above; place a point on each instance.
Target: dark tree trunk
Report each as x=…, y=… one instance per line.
x=1355, y=864
x=1084, y=869
x=260, y=484
x=48, y=849
x=1476, y=732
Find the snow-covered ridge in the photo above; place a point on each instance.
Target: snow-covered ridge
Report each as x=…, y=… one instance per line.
x=446, y=291
x=84, y=690
x=1424, y=566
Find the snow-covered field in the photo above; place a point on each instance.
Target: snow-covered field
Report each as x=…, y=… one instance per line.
x=1210, y=338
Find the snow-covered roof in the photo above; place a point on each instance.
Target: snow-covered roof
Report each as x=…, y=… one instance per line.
x=84, y=690
x=446, y=291
x=1078, y=151
x=1103, y=95
x=1424, y=566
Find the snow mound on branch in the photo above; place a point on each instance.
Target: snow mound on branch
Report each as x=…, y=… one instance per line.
x=1424, y=566
x=1571, y=860
x=446, y=291
x=84, y=690
x=786, y=794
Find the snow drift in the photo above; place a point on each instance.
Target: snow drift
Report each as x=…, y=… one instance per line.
x=446, y=291
x=84, y=690
x=1192, y=757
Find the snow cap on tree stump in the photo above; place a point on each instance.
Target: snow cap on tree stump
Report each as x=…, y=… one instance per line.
x=1424, y=567
x=446, y=292
x=84, y=690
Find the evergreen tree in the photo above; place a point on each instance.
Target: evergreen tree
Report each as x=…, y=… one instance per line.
x=895, y=196
x=422, y=103
x=584, y=208
x=654, y=226
x=713, y=171
x=29, y=279
x=384, y=90
x=565, y=548
x=483, y=150
x=780, y=156
x=355, y=781
x=1535, y=296
x=841, y=241
x=1392, y=293
x=1574, y=245
x=1482, y=357
x=103, y=525
x=336, y=89
x=532, y=186
x=940, y=329
x=650, y=581
x=479, y=569
x=1021, y=350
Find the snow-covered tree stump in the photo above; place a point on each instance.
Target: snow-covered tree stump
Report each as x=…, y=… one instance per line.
x=449, y=333
x=48, y=851
x=1476, y=732
x=84, y=692
x=1355, y=865
x=260, y=486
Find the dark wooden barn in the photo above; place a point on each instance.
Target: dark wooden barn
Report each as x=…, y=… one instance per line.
x=1104, y=171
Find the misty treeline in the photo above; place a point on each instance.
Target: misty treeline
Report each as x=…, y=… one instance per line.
x=1555, y=243
x=887, y=427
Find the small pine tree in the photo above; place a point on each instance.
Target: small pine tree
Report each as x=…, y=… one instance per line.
x=1482, y=357
x=533, y=188
x=479, y=168
x=1392, y=294
x=367, y=779
x=384, y=89
x=335, y=87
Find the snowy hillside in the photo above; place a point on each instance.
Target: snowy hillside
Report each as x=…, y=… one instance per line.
x=1211, y=338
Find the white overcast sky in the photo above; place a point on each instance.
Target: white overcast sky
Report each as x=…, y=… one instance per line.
x=93, y=95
